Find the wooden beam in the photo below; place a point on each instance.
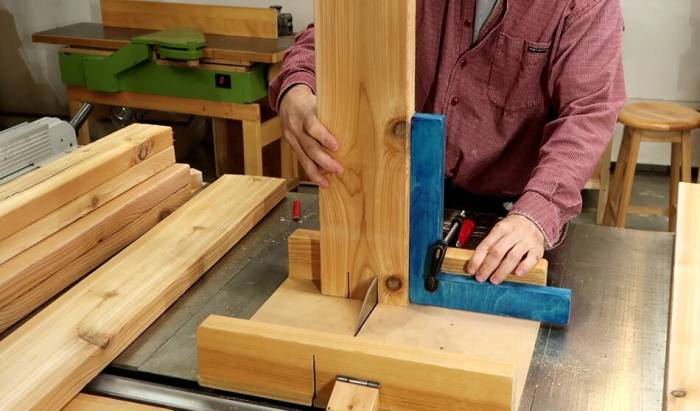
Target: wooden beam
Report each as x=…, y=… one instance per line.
x=88, y=402
x=84, y=204
x=223, y=20
x=683, y=373
x=51, y=357
x=304, y=254
x=353, y=397
x=456, y=260
x=197, y=107
x=365, y=51
x=301, y=365
x=304, y=250
x=24, y=271
x=23, y=207
x=22, y=305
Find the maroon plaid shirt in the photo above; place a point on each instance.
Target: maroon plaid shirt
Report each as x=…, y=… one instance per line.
x=531, y=106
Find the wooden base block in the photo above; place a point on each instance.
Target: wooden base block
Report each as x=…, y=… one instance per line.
x=353, y=397
x=299, y=306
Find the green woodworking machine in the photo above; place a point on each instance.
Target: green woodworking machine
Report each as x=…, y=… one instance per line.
x=169, y=63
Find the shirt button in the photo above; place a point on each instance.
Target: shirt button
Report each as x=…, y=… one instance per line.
x=463, y=63
x=454, y=101
x=467, y=23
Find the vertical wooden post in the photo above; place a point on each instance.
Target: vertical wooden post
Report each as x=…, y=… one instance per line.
x=352, y=397
x=252, y=147
x=365, y=51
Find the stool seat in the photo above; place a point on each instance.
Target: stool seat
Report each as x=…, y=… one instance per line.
x=659, y=116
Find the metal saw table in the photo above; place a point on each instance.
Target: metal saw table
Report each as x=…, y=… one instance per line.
x=612, y=355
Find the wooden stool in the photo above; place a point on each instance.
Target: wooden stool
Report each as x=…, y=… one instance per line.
x=657, y=123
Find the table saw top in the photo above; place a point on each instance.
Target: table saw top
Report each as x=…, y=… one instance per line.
x=611, y=356
x=95, y=35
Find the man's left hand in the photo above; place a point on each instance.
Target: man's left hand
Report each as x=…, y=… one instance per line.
x=514, y=245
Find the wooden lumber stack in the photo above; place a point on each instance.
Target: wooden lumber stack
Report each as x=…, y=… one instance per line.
x=63, y=220
x=52, y=356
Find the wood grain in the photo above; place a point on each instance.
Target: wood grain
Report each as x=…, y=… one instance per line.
x=660, y=116
x=197, y=107
x=353, y=397
x=88, y=402
x=224, y=20
x=51, y=357
x=683, y=370
x=304, y=251
x=84, y=204
x=299, y=303
x=32, y=266
x=366, y=99
x=304, y=254
x=294, y=361
x=19, y=208
x=34, y=297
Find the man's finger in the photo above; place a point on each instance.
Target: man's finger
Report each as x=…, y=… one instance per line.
x=482, y=250
x=495, y=255
x=510, y=262
x=306, y=163
x=318, y=131
x=530, y=261
x=319, y=156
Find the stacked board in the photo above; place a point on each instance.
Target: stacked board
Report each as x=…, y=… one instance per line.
x=63, y=220
x=53, y=355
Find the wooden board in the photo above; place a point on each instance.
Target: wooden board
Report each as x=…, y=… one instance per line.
x=84, y=204
x=311, y=310
x=23, y=304
x=51, y=357
x=24, y=271
x=88, y=402
x=366, y=99
x=442, y=330
x=223, y=20
x=219, y=48
x=298, y=365
x=683, y=370
x=304, y=252
x=206, y=108
x=22, y=207
x=353, y=397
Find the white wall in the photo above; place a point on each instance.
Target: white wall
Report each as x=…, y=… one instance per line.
x=662, y=51
x=662, y=61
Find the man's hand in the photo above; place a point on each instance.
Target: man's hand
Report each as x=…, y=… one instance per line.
x=306, y=135
x=515, y=244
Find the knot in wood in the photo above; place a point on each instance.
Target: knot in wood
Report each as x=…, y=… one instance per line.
x=393, y=283
x=678, y=393
x=400, y=129
x=143, y=152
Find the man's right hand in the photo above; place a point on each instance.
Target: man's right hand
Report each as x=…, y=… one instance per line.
x=307, y=136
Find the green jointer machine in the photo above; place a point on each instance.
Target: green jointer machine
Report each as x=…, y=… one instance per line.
x=149, y=64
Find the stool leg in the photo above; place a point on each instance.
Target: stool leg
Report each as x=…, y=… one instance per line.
x=252, y=147
x=676, y=157
x=686, y=160
x=604, y=168
x=617, y=180
x=222, y=146
x=630, y=168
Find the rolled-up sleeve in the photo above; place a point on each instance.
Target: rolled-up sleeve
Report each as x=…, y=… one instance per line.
x=586, y=85
x=299, y=67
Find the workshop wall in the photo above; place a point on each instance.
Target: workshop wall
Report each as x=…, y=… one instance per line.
x=662, y=52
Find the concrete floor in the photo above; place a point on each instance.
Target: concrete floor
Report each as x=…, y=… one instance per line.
x=651, y=188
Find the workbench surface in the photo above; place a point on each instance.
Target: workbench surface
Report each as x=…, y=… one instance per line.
x=612, y=355
x=96, y=35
